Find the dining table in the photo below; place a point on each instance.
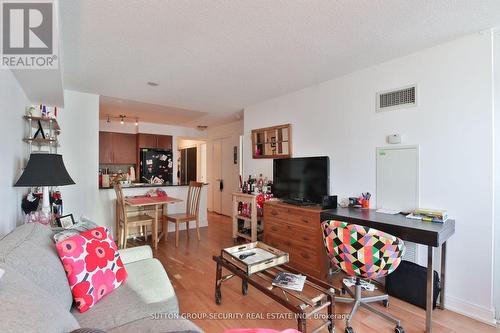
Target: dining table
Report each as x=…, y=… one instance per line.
x=148, y=201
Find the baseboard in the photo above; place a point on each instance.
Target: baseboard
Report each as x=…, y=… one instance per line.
x=471, y=310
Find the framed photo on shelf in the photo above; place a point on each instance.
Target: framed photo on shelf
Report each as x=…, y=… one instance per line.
x=65, y=221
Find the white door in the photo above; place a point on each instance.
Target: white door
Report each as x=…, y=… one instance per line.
x=230, y=173
x=217, y=169
x=226, y=174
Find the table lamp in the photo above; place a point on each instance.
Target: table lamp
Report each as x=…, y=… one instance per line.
x=44, y=170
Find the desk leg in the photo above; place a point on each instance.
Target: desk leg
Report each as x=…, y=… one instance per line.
x=443, y=275
x=155, y=228
x=430, y=287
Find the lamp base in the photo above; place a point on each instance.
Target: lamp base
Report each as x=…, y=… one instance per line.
x=45, y=200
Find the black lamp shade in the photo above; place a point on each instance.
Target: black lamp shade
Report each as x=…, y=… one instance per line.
x=44, y=170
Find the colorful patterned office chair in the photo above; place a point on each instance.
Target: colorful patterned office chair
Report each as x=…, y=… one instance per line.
x=362, y=252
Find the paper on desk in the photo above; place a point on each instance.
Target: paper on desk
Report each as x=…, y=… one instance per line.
x=387, y=211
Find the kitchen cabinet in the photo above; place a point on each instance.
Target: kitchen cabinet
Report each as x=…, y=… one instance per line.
x=154, y=141
x=117, y=148
x=146, y=140
x=105, y=148
x=124, y=148
x=164, y=142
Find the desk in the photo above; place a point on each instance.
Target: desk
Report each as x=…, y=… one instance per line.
x=143, y=201
x=433, y=235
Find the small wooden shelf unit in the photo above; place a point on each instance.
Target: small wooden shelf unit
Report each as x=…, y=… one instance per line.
x=272, y=142
x=251, y=200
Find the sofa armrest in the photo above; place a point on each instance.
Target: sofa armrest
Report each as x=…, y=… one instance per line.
x=134, y=254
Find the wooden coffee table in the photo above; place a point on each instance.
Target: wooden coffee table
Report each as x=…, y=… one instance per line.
x=306, y=304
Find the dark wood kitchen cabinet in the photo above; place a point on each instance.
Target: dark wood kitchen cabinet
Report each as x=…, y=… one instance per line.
x=124, y=148
x=146, y=140
x=117, y=148
x=105, y=148
x=164, y=142
x=154, y=141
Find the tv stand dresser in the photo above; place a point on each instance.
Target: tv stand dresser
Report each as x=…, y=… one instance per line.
x=297, y=230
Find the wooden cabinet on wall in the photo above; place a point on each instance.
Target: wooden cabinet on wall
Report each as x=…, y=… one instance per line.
x=164, y=142
x=154, y=141
x=117, y=148
x=105, y=148
x=297, y=230
x=124, y=148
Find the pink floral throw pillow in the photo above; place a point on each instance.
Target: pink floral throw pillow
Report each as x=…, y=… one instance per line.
x=92, y=264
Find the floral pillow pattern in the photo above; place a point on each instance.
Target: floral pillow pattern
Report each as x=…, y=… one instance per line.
x=92, y=264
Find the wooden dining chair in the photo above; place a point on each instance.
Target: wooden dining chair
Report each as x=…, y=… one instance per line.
x=125, y=222
x=191, y=214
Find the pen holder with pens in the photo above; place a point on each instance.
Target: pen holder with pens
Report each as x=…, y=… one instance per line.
x=360, y=202
x=365, y=203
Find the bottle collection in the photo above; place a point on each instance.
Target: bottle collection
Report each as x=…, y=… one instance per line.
x=256, y=185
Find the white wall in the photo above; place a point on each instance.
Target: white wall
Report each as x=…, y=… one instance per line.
x=231, y=130
x=452, y=124
x=496, y=76
x=79, y=121
x=13, y=150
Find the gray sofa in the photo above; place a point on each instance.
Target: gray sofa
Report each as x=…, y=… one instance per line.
x=35, y=295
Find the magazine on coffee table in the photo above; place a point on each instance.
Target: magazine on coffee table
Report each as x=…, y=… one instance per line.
x=289, y=281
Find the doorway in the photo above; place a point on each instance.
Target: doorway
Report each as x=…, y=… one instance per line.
x=226, y=166
x=191, y=160
x=187, y=165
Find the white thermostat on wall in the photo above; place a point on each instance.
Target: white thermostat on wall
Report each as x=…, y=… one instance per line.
x=394, y=138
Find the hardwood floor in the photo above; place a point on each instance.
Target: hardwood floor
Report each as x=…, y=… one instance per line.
x=192, y=272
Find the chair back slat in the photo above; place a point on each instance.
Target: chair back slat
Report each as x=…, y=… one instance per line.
x=120, y=201
x=193, y=199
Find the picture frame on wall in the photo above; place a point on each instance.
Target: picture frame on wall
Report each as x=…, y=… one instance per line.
x=65, y=221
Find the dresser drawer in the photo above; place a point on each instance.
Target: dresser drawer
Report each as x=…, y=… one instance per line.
x=305, y=236
x=292, y=215
x=298, y=253
x=302, y=259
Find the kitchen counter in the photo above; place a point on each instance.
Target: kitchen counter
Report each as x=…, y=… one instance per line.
x=145, y=185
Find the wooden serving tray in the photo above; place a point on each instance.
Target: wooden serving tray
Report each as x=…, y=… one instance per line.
x=264, y=258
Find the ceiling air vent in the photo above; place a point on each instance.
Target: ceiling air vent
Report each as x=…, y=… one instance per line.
x=397, y=98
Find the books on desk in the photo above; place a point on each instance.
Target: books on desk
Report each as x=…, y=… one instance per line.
x=429, y=215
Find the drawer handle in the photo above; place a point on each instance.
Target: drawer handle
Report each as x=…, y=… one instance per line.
x=287, y=243
x=274, y=213
x=305, y=238
x=305, y=255
x=305, y=220
x=273, y=228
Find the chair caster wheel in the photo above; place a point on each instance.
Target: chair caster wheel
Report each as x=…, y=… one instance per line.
x=399, y=329
x=349, y=329
x=385, y=303
x=343, y=292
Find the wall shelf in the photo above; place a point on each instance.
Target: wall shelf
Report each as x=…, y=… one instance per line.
x=272, y=142
x=50, y=128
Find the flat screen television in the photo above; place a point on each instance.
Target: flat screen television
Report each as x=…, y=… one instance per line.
x=303, y=180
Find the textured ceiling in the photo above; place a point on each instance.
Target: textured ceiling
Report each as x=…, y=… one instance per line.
x=219, y=56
